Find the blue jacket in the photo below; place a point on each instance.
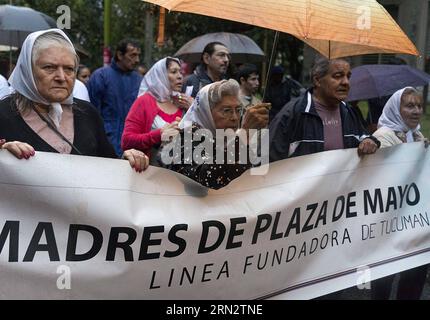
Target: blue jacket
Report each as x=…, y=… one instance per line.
x=113, y=91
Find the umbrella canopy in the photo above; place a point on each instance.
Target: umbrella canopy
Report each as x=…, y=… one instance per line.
x=16, y=23
x=372, y=81
x=335, y=28
x=242, y=48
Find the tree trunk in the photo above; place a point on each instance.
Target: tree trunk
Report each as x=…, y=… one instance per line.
x=149, y=36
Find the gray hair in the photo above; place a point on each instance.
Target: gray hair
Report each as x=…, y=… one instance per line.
x=321, y=66
x=49, y=40
x=410, y=92
x=220, y=89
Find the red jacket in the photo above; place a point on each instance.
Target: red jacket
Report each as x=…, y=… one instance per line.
x=137, y=130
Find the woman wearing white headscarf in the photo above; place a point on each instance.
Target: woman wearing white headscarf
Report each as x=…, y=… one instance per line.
x=217, y=106
x=42, y=114
x=400, y=119
x=158, y=109
x=400, y=123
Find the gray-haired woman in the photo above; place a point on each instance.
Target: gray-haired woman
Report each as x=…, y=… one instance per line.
x=205, y=159
x=42, y=114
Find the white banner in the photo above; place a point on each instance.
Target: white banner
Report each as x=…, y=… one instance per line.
x=74, y=227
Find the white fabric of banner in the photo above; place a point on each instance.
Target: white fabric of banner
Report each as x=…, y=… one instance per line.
x=74, y=227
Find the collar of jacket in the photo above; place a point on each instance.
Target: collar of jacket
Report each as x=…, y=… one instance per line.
x=310, y=106
x=115, y=66
x=202, y=73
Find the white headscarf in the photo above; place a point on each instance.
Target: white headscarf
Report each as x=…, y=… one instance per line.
x=22, y=79
x=392, y=119
x=200, y=111
x=156, y=81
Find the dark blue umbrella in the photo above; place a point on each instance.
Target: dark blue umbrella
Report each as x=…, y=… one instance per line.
x=16, y=23
x=379, y=80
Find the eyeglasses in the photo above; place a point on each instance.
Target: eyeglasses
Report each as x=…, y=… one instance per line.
x=228, y=113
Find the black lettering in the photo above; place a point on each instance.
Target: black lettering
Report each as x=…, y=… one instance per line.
x=349, y=204
x=294, y=222
x=50, y=246
x=114, y=243
x=311, y=207
x=340, y=199
x=233, y=232
x=10, y=230
x=417, y=195
x=402, y=193
x=180, y=242
x=275, y=235
x=391, y=199
x=322, y=215
x=73, y=240
x=147, y=242
x=377, y=200
x=259, y=228
x=221, y=234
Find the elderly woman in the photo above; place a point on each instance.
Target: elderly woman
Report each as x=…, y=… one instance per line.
x=42, y=114
x=217, y=106
x=400, y=123
x=158, y=109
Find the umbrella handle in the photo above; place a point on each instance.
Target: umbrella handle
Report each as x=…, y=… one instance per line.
x=271, y=61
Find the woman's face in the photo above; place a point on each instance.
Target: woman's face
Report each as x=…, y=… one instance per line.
x=54, y=74
x=411, y=110
x=226, y=114
x=175, y=76
x=84, y=75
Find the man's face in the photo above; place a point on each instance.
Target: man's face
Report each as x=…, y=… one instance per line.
x=218, y=62
x=411, y=110
x=226, y=114
x=251, y=84
x=54, y=73
x=335, y=84
x=130, y=59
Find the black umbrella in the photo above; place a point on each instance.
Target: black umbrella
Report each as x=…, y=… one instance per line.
x=242, y=48
x=16, y=23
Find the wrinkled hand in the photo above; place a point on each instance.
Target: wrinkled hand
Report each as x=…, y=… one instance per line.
x=21, y=150
x=170, y=126
x=256, y=117
x=137, y=159
x=183, y=101
x=367, y=146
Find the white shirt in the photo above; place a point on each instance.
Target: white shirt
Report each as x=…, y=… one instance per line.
x=80, y=91
x=5, y=89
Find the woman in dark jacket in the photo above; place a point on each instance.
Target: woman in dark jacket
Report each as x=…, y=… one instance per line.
x=42, y=114
x=216, y=108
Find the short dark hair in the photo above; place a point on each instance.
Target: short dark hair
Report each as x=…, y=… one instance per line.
x=210, y=48
x=246, y=70
x=170, y=60
x=123, y=44
x=321, y=66
x=82, y=67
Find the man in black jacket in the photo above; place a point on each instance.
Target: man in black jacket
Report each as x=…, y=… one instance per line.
x=214, y=65
x=319, y=120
